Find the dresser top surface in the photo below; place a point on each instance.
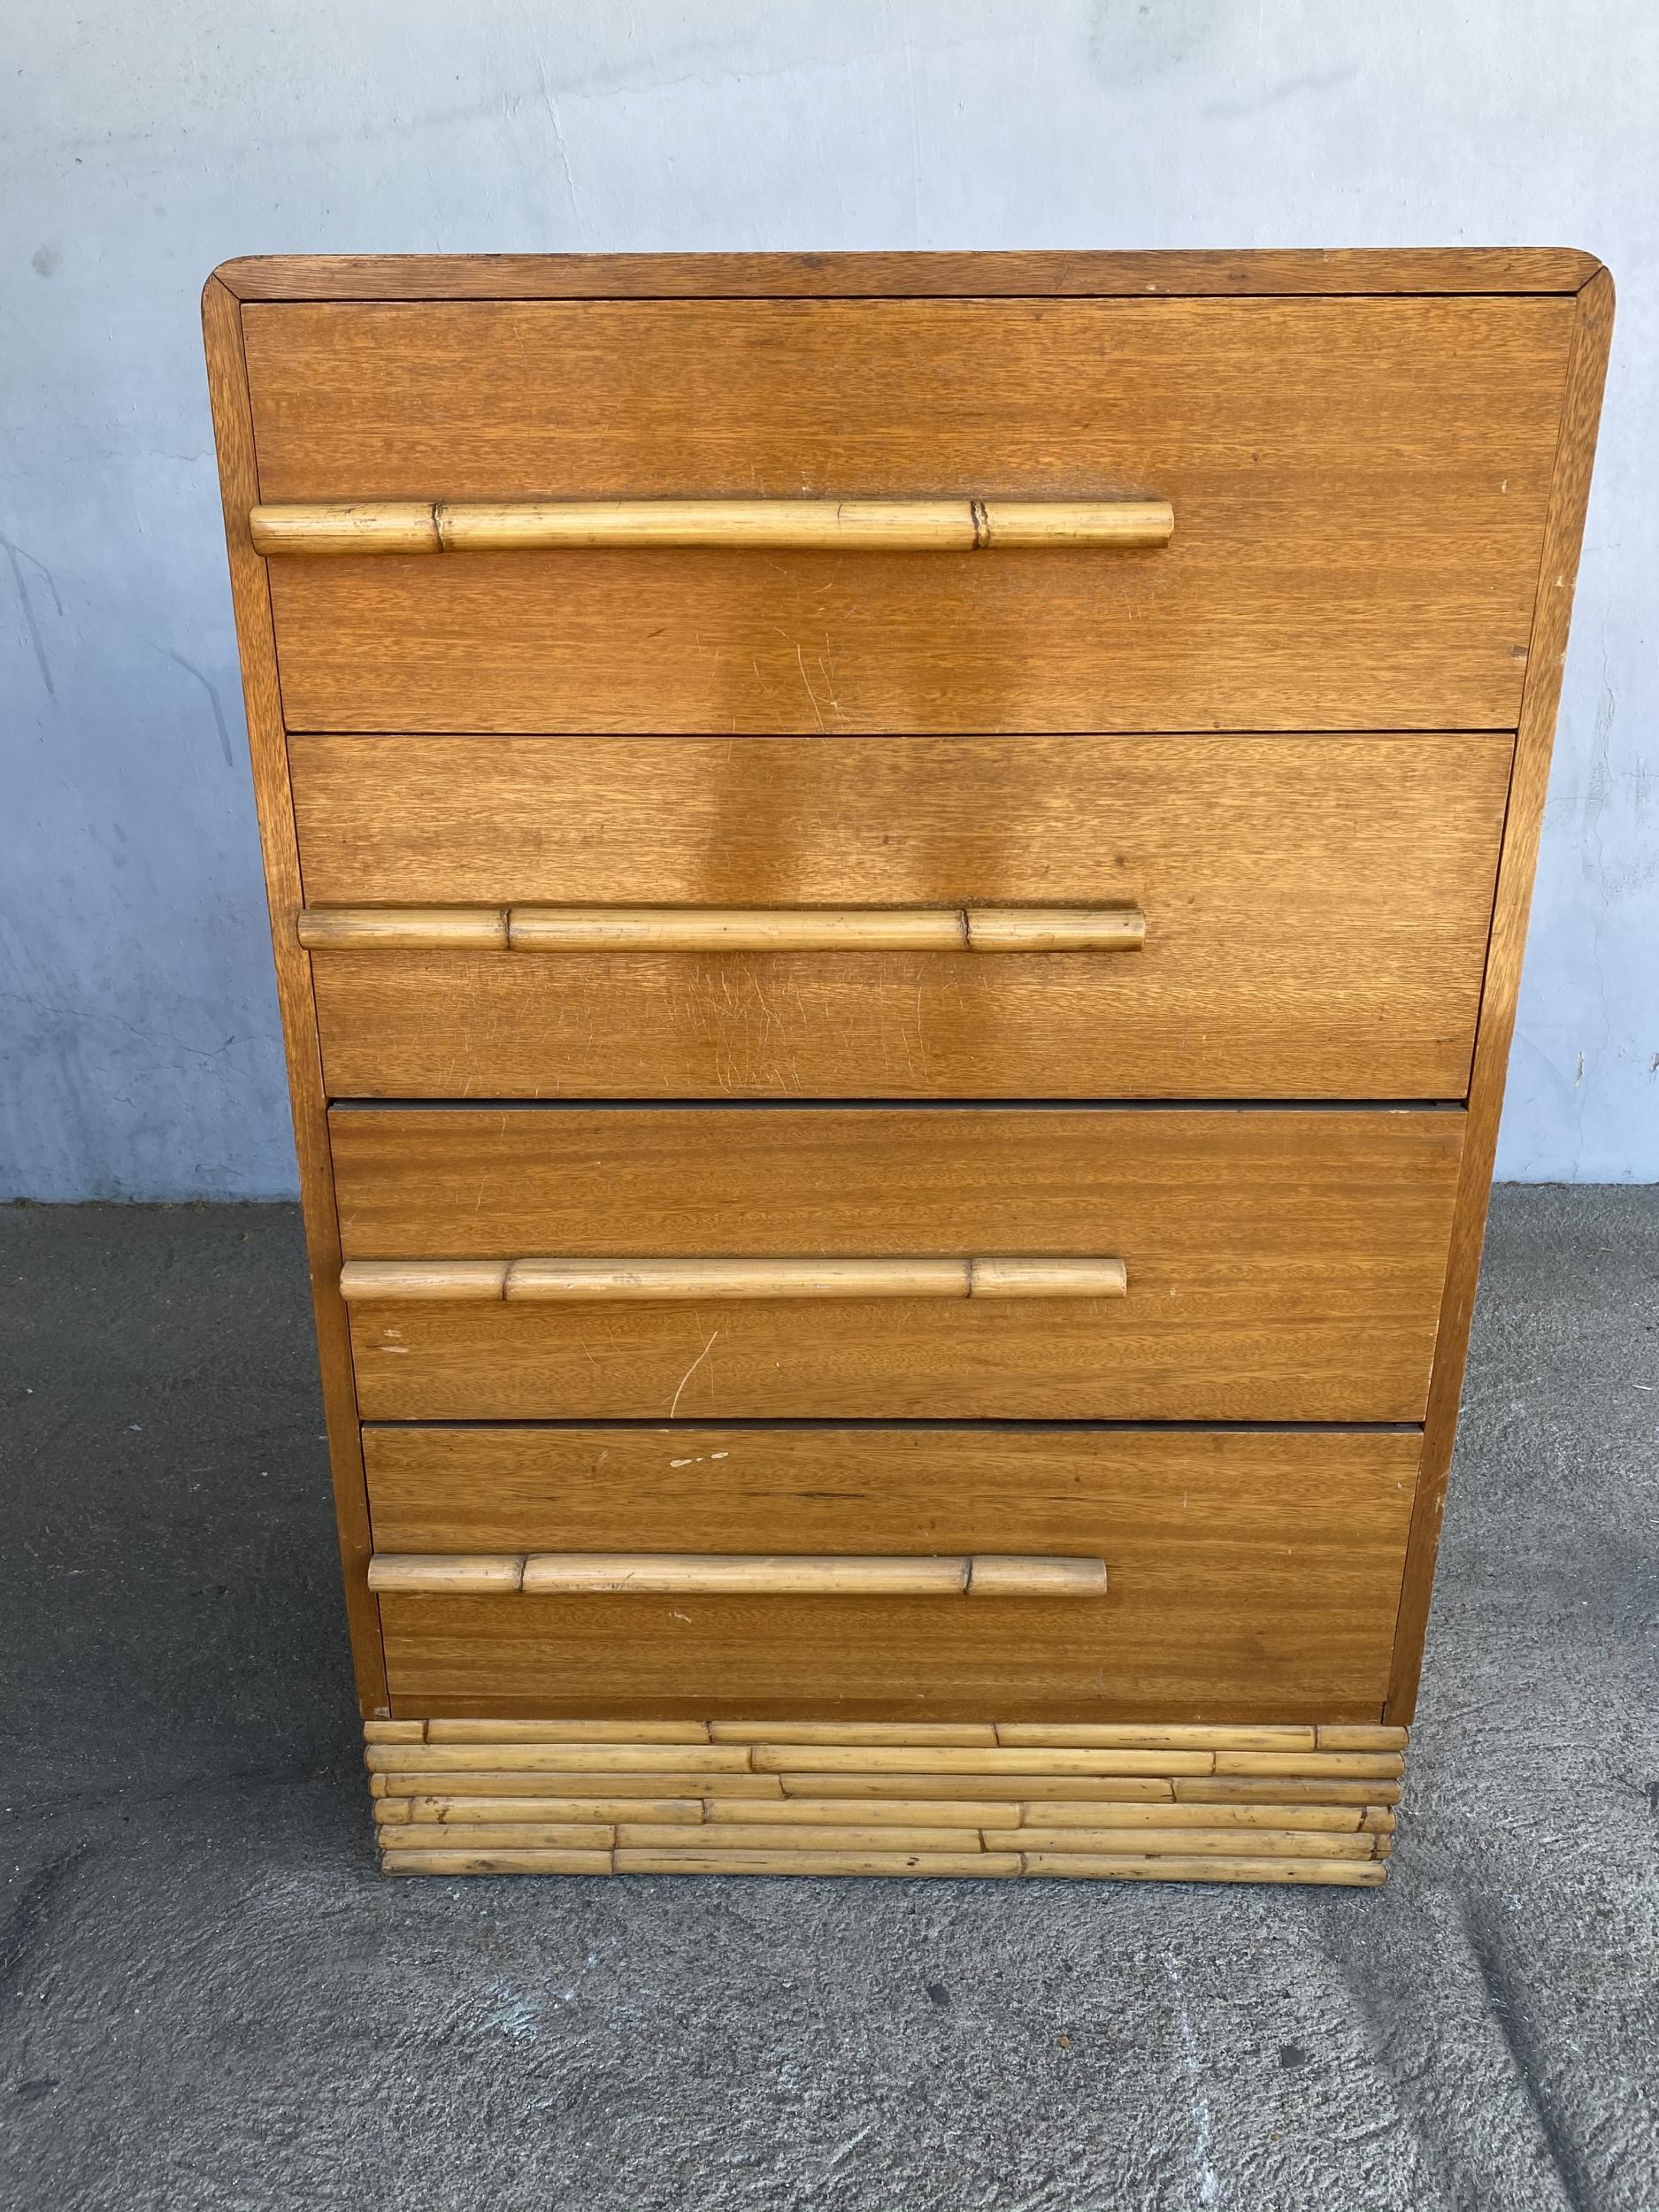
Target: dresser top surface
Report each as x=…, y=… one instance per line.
x=1310, y=272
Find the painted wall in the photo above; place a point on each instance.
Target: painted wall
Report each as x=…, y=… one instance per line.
x=140, y=146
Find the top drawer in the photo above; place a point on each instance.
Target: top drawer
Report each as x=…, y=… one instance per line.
x=1359, y=488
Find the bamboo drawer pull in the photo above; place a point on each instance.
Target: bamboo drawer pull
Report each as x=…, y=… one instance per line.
x=378, y=525
x=990, y=1576
x=561, y=1280
x=568, y=1281
x=858, y=525
x=1047, y=1278
x=605, y=1574
x=1055, y=928
x=988, y=929
x=444, y=1573
x=735, y=929
x=425, y=1280
x=671, y=1573
x=403, y=928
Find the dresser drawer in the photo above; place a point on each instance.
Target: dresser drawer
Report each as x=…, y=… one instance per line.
x=1315, y=908
x=1169, y=1509
x=1250, y=1575
x=1280, y=1265
x=1358, y=485
x=879, y=1658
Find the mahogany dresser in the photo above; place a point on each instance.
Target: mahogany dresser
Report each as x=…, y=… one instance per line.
x=898, y=885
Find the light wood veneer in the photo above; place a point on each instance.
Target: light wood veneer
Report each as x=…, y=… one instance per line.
x=1361, y=485
x=1062, y=739
x=1313, y=914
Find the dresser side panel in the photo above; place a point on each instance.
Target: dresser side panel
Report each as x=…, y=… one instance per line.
x=221, y=325
x=1570, y=494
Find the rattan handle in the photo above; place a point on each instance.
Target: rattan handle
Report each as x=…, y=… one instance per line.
x=575, y=929
x=567, y=1281
x=589, y=1574
x=850, y=526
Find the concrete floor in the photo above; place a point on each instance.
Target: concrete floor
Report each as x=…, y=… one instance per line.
x=210, y=1998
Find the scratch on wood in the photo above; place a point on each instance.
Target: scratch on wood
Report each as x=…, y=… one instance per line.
x=690, y=1372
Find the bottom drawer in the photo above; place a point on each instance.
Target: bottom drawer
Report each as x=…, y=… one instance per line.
x=1253, y=1574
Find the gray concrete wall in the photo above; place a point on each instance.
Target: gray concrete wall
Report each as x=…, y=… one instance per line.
x=140, y=146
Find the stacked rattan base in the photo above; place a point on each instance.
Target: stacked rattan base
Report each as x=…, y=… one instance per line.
x=1119, y=1803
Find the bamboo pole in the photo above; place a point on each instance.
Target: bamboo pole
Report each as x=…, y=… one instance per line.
x=1351, y=1765
x=508, y=1835
x=380, y=1281
x=692, y=1573
x=1091, y=1788
x=1052, y=522
x=918, y=1760
x=1079, y=1813
x=759, y=1836
x=893, y=526
x=609, y=1280
x=962, y=526
x=968, y=1866
x=966, y=1812
x=735, y=929
x=345, y=527
x=1047, y=1278
x=1172, y=1736
x=402, y=928
x=548, y=1758
x=1347, y=1873
x=706, y=1574
x=1178, y=1842
x=709, y=929
x=589, y=1731
x=445, y=1573
x=465, y=1812
x=1055, y=928
x=1284, y=1790
x=585, y=1782
x=990, y=1576
x=856, y=1731
x=455, y=1861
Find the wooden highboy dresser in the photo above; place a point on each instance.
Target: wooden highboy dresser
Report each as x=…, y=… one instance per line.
x=898, y=885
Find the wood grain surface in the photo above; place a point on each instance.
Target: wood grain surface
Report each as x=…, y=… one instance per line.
x=1251, y=1578
x=1379, y=499
x=1359, y=486
x=1281, y=1265
x=1204, y=1531
x=1569, y=499
x=233, y=433
x=1316, y=911
x=1294, y=271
